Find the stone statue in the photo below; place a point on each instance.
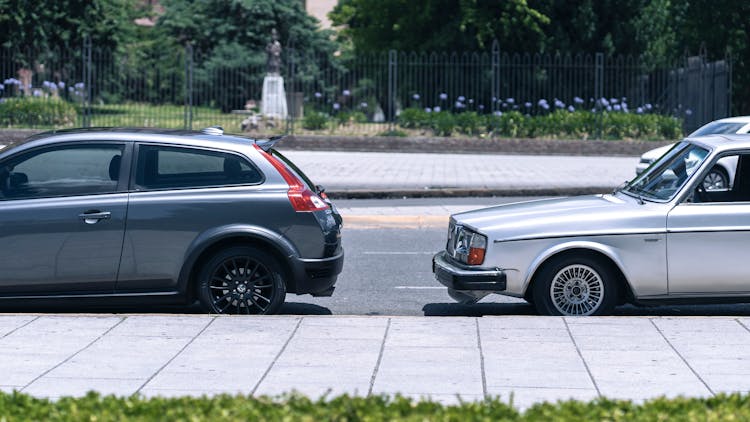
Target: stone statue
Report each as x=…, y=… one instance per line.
x=273, y=51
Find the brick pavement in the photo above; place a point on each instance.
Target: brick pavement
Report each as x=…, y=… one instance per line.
x=346, y=171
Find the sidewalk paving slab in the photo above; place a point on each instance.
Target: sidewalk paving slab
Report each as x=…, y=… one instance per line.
x=447, y=359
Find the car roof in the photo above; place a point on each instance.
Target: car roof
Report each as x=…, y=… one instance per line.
x=212, y=135
x=736, y=119
x=723, y=142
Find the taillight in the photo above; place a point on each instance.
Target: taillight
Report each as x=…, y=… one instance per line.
x=477, y=247
x=300, y=196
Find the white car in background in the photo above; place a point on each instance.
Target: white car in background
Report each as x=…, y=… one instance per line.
x=722, y=173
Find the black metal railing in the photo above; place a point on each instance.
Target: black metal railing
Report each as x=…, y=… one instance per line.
x=359, y=94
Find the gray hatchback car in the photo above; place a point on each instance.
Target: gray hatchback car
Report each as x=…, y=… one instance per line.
x=170, y=216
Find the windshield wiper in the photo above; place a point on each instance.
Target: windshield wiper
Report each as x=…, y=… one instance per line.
x=619, y=188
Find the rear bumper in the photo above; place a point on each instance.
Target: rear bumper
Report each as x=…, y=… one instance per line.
x=457, y=277
x=318, y=276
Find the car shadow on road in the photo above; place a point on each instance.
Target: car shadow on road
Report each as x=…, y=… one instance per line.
x=523, y=308
x=477, y=309
x=289, y=308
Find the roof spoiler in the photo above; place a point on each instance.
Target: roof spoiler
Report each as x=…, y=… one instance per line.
x=266, y=144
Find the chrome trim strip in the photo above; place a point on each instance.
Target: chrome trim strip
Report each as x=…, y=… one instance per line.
x=581, y=234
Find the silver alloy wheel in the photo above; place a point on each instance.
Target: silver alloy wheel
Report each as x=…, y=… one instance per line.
x=715, y=180
x=577, y=290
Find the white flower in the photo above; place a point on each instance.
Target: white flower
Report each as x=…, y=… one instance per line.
x=436, y=109
x=318, y=95
x=336, y=106
x=415, y=97
x=571, y=109
x=347, y=93
x=428, y=110
x=443, y=96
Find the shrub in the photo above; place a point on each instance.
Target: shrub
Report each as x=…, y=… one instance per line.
x=469, y=123
x=512, y=124
x=314, y=120
x=394, y=132
x=443, y=123
x=30, y=111
x=350, y=117
x=22, y=407
x=414, y=118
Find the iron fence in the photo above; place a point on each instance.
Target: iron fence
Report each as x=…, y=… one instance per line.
x=362, y=94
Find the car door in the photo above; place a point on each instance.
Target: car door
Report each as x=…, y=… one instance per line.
x=707, y=238
x=177, y=193
x=62, y=218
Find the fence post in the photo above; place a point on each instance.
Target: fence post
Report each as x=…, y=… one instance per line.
x=86, y=79
x=495, y=74
x=729, y=87
x=392, y=86
x=599, y=92
x=188, y=86
x=293, y=98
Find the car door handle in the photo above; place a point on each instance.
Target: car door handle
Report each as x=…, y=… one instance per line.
x=93, y=217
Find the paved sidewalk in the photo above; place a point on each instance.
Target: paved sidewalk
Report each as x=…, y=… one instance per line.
x=362, y=171
x=533, y=358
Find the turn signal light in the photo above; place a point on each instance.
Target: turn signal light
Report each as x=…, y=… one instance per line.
x=476, y=256
x=477, y=248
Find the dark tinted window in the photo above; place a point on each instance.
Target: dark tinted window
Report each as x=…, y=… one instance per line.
x=62, y=171
x=162, y=167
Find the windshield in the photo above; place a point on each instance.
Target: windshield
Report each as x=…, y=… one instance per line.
x=718, y=128
x=665, y=178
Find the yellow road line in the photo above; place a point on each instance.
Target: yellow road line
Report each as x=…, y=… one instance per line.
x=395, y=221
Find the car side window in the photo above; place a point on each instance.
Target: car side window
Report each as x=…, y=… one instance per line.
x=166, y=167
x=61, y=171
x=728, y=180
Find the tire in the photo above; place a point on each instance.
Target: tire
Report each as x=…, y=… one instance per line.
x=242, y=280
x=716, y=179
x=575, y=286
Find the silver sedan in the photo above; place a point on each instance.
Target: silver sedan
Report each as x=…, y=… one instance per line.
x=660, y=238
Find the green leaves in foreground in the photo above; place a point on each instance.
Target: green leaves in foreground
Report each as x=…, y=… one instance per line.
x=93, y=407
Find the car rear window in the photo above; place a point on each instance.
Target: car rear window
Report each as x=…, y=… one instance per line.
x=294, y=169
x=166, y=167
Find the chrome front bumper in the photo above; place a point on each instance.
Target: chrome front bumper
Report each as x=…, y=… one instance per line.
x=458, y=277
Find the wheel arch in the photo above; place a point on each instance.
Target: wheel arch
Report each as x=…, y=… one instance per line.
x=209, y=243
x=599, y=251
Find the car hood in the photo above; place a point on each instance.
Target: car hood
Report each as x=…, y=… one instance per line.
x=564, y=217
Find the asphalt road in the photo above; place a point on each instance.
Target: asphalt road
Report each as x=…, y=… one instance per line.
x=388, y=271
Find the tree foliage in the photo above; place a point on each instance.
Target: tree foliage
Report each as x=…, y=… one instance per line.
x=445, y=25
x=61, y=25
x=246, y=24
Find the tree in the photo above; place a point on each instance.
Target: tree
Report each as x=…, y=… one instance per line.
x=444, y=25
x=230, y=37
x=61, y=25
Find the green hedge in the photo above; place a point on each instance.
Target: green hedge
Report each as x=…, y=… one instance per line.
x=32, y=111
x=559, y=124
x=21, y=407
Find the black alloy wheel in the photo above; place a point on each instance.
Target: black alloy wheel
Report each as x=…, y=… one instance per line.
x=242, y=281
